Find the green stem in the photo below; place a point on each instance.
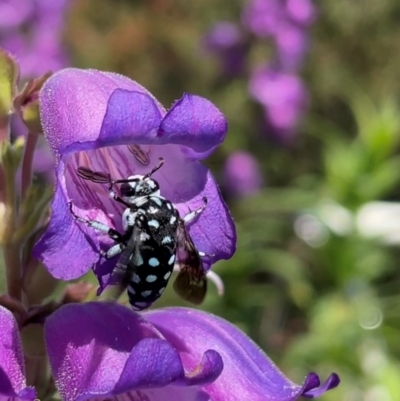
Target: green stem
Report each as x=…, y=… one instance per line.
x=13, y=269
x=27, y=163
x=4, y=135
x=11, y=251
x=4, y=128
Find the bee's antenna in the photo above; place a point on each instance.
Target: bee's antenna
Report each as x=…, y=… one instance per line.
x=157, y=167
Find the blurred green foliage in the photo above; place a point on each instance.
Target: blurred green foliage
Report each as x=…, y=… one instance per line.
x=309, y=282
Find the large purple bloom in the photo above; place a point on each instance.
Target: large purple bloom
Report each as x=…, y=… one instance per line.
x=170, y=354
x=89, y=119
x=12, y=367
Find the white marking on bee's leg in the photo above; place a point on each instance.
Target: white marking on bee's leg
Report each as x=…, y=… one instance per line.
x=116, y=197
x=191, y=215
x=205, y=255
x=113, y=251
x=97, y=225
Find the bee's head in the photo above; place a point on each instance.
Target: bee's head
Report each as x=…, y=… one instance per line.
x=139, y=185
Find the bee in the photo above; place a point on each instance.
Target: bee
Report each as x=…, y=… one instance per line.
x=155, y=238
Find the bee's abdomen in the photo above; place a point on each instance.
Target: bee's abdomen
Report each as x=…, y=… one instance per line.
x=151, y=277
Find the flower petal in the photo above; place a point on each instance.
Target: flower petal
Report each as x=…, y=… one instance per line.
x=248, y=373
x=216, y=240
x=313, y=389
x=12, y=369
x=67, y=250
x=131, y=117
x=195, y=123
x=73, y=104
x=168, y=393
x=115, y=351
x=192, y=121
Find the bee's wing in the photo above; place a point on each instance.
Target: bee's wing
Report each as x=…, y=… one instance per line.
x=191, y=282
x=126, y=262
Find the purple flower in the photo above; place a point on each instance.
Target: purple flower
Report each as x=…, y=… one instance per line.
x=14, y=13
x=169, y=354
x=37, y=43
x=89, y=119
x=301, y=11
x=12, y=368
x=263, y=17
x=242, y=174
x=291, y=43
x=283, y=95
x=285, y=22
x=226, y=41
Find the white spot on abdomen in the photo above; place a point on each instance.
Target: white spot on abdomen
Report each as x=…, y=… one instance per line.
x=153, y=262
x=171, y=260
x=151, y=278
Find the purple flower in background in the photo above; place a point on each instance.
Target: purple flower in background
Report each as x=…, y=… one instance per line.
x=277, y=88
x=12, y=367
x=14, y=13
x=291, y=45
x=241, y=175
x=286, y=23
x=226, y=41
x=283, y=95
x=32, y=30
x=263, y=17
x=89, y=119
x=168, y=354
x=301, y=11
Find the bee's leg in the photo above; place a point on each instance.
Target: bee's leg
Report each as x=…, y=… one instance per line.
x=191, y=215
x=113, y=251
x=98, y=226
x=113, y=194
x=205, y=255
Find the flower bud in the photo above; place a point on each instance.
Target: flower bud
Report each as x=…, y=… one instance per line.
x=9, y=74
x=27, y=103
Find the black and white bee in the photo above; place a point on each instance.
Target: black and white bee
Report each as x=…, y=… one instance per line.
x=154, y=237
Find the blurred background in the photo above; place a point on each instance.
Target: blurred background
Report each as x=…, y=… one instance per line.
x=310, y=167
